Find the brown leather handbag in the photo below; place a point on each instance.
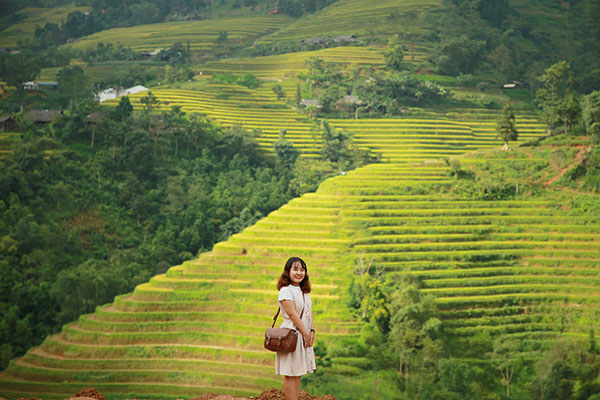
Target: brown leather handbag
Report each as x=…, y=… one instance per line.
x=281, y=339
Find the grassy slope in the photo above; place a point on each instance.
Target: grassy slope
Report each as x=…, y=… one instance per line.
x=32, y=16
x=360, y=18
x=202, y=35
x=493, y=265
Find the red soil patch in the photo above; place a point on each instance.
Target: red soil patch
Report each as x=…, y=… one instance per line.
x=273, y=394
x=578, y=158
x=88, y=393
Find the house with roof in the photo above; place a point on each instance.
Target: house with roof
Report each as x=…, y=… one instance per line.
x=311, y=103
x=348, y=104
x=6, y=123
x=316, y=40
x=346, y=39
x=351, y=100
x=33, y=85
x=43, y=117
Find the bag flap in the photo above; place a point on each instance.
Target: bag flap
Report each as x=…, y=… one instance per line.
x=276, y=333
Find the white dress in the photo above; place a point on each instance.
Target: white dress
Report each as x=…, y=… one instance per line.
x=302, y=360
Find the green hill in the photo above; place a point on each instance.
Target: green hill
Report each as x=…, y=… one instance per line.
x=502, y=267
x=30, y=17
x=505, y=243
x=361, y=18
x=202, y=35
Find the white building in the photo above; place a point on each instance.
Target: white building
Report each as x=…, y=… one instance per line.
x=111, y=93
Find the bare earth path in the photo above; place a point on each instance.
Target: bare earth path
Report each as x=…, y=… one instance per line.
x=578, y=157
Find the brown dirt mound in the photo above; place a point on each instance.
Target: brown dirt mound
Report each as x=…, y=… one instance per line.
x=89, y=393
x=273, y=394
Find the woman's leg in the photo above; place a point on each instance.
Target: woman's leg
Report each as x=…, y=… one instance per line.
x=291, y=387
x=298, y=387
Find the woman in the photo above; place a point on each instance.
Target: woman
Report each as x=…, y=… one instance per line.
x=296, y=309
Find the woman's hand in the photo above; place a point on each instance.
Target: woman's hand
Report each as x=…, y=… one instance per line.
x=312, y=338
x=307, y=340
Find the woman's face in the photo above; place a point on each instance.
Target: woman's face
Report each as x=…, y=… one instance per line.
x=297, y=273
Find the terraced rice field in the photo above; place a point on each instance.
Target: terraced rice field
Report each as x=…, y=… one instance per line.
x=415, y=140
x=523, y=268
x=359, y=18
x=395, y=139
x=198, y=328
x=202, y=35
x=291, y=64
x=32, y=16
x=238, y=106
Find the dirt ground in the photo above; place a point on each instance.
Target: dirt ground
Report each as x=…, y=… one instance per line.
x=273, y=394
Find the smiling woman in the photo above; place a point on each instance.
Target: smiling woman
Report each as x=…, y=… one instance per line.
x=296, y=309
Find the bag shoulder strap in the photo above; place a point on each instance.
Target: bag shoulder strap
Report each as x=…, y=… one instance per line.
x=279, y=309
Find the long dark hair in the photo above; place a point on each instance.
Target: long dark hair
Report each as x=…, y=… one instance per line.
x=285, y=280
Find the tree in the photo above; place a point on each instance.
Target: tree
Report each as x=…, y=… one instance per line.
x=19, y=69
x=123, y=109
x=80, y=289
x=504, y=362
x=549, y=96
x=335, y=143
x=495, y=11
x=145, y=12
x=456, y=377
x=73, y=85
x=298, y=94
x=153, y=122
x=286, y=152
x=569, y=110
x=278, y=90
x=177, y=125
x=506, y=126
x=375, y=303
x=149, y=102
x=415, y=334
x=394, y=54
x=456, y=55
x=591, y=115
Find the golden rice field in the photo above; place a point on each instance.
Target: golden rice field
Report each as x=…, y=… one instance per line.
x=361, y=17
x=522, y=269
x=291, y=64
x=395, y=139
x=202, y=35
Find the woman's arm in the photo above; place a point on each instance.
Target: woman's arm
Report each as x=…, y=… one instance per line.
x=312, y=330
x=290, y=309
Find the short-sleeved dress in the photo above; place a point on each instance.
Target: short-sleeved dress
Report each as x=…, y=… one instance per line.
x=302, y=360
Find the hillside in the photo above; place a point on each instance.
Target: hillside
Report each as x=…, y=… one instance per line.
x=441, y=269
x=27, y=20
x=499, y=259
